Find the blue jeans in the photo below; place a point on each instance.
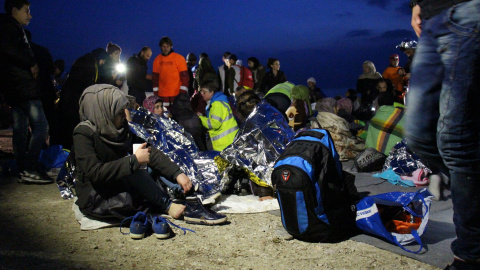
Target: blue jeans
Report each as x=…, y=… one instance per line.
x=26, y=150
x=443, y=113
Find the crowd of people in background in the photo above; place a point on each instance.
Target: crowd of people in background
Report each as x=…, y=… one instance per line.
x=190, y=90
x=45, y=106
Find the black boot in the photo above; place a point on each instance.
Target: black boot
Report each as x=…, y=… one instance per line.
x=197, y=213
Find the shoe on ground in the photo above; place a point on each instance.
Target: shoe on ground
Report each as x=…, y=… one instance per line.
x=34, y=177
x=196, y=213
x=160, y=227
x=138, y=225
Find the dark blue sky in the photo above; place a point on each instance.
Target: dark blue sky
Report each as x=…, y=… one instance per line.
x=328, y=40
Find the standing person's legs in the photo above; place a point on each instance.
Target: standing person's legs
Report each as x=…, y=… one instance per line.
x=453, y=38
x=39, y=126
x=459, y=124
x=19, y=136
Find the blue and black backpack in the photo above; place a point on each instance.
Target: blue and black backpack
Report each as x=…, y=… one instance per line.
x=315, y=203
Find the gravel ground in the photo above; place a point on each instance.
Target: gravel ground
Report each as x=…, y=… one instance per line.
x=39, y=231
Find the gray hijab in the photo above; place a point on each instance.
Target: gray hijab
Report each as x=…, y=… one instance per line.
x=326, y=105
x=99, y=104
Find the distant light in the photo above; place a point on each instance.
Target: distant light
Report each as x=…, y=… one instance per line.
x=120, y=68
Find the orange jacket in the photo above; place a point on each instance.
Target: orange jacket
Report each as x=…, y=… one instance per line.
x=168, y=74
x=391, y=74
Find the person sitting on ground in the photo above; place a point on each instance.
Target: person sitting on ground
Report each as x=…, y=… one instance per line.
x=246, y=102
x=184, y=115
x=279, y=97
x=273, y=77
x=105, y=170
x=154, y=104
x=300, y=109
x=352, y=95
x=344, y=109
x=346, y=144
x=258, y=73
x=385, y=94
x=205, y=72
x=314, y=91
x=219, y=119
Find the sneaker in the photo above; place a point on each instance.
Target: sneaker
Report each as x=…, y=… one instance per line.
x=34, y=177
x=162, y=230
x=160, y=227
x=138, y=225
x=197, y=213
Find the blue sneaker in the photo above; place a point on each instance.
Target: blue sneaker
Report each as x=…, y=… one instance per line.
x=161, y=229
x=138, y=225
x=197, y=213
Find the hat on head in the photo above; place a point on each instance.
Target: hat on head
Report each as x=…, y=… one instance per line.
x=311, y=79
x=232, y=57
x=394, y=56
x=407, y=44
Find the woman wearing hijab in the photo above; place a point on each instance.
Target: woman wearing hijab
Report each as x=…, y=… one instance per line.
x=102, y=142
x=367, y=82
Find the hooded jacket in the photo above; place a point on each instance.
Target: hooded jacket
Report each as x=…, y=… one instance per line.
x=220, y=122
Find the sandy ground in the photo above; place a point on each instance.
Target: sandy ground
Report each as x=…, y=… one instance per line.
x=39, y=231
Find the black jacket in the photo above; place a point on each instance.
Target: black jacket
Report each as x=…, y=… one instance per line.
x=270, y=80
x=100, y=167
x=16, y=60
x=83, y=74
x=183, y=113
x=136, y=72
x=431, y=8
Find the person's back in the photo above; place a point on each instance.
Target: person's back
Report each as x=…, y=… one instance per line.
x=83, y=74
x=183, y=113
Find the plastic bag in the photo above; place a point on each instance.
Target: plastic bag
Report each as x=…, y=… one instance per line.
x=399, y=217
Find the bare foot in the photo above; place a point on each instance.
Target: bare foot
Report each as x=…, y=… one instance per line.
x=266, y=198
x=176, y=210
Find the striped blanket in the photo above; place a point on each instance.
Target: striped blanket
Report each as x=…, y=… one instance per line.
x=386, y=128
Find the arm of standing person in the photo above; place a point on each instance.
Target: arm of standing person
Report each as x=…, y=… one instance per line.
x=13, y=53
x=417, y=20
x=183, y=73
x=284, y=77
x=230, y=77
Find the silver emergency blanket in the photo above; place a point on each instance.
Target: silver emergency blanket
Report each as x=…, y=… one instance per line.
x=168, y=136
x=258, y=144
x=403, y=161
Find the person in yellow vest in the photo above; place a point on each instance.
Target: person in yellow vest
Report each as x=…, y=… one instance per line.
x=222, y=126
